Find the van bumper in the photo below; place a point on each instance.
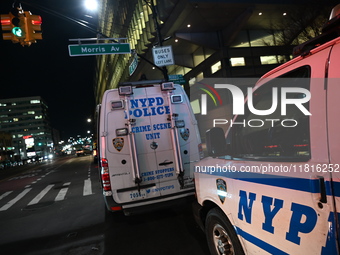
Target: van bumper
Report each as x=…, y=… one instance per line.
x=111, y=205
x=143, y=206
x=174, y=203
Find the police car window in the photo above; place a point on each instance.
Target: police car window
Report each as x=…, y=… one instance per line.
x=275, y=137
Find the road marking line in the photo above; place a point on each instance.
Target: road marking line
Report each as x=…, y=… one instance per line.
x=62, y=193
x=87, y=188
x=40, y=195
x=14, y=200
x=5, y=194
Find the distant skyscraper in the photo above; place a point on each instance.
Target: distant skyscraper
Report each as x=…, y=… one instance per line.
x=27, y=120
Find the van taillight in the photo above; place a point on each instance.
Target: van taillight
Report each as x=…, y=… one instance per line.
x=105, y=175
x=104, y=163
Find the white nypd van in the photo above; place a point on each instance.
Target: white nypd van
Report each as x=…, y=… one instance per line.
x=148, y=142
x=272, y=186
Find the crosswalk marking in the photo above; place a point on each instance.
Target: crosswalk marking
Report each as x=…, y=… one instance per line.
x=87, y=188
x=62, y=193
x=5, y=194
x=40, y=195
x=16, y=199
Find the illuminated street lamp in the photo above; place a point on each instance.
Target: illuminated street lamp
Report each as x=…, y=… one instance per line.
x=91, y=5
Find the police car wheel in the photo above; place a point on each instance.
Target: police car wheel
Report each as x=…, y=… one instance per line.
x=220, y=234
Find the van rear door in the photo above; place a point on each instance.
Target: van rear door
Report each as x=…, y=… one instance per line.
x=147, y=112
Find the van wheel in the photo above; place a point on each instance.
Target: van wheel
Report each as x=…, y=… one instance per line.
x=221, y=236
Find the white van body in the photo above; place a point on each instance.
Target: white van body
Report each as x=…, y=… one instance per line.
x=277, y=190
x=148, y=142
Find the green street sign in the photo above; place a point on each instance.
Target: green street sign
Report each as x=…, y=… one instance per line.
x=177, y=78
x=98, y=49
x=133, y=65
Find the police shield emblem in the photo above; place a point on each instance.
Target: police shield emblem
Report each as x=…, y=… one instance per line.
x=118, y=143
x=221, y=189
x=185, y=133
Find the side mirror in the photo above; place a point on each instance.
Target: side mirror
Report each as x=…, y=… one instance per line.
x=216, y=142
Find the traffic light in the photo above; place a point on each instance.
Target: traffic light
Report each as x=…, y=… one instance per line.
x=33, y=31
x=21, y=27
x=6, y=26
x=13, y=27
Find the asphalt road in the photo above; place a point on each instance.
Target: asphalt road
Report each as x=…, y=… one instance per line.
x=56, y=207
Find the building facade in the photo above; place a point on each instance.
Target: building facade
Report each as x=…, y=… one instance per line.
x=210, y=39
x=27, y=120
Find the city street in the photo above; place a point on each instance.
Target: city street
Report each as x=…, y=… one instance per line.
x=56, y=207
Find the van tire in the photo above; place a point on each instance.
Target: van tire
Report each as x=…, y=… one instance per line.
x=221, y=236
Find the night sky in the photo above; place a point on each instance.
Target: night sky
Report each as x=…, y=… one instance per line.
x=45, y=68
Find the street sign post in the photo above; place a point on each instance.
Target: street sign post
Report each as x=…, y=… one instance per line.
x=163, y=56
x=98, y=49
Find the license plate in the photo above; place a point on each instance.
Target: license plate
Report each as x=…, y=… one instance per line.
x=138, y=195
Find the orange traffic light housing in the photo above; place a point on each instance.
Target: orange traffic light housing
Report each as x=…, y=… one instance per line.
x=21, y=27
x=33, y=28
x=6, y=25
x=13, y=27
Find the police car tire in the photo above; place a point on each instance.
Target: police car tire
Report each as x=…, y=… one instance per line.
x=215, y=224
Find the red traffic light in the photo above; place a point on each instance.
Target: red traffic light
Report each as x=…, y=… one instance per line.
x=5, y=21
x=36, y=20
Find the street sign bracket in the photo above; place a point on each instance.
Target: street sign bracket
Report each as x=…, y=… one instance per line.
x=80, y=40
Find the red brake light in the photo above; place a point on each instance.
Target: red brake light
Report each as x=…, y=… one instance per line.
x=106, y=180
x=105, y=175
x=116, y=208
x=105, y=163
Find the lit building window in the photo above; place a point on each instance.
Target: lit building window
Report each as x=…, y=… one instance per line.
x=38, y=117
x=15, y=119
x=31, y=112
x=216, y=67
x=267, y=60
x=275, y=59
x=237, y=61
x=35, y=101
